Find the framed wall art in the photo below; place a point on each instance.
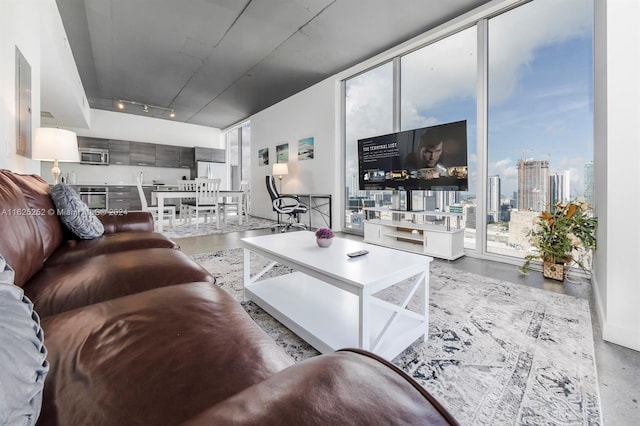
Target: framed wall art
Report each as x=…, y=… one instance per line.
x=263, y=157
x=305, y=149
x=23, y=105
x=282, y=153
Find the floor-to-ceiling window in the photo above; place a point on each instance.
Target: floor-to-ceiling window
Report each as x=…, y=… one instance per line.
x=368, y=112
x=540, y=115
x=535, y=61
x=239, y=152
x=438, y=85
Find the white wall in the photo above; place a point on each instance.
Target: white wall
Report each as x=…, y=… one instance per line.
x=617, y=186
x=310, y=113
x=19, y=26
x=118, y=125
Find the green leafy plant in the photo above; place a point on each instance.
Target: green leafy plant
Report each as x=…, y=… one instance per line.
x=563, y=235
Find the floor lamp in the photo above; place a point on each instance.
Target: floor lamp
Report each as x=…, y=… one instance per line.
x=57, y=145
x=279, y=170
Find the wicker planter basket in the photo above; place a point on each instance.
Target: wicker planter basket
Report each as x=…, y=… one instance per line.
x=555, y=271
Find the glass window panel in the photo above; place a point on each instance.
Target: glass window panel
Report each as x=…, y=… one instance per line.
x=540, y=115
x=438, y=85
x=368, y=112
x=246, y=151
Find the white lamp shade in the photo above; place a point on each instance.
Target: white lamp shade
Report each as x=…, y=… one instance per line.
x=51, y=144
x=280, y=169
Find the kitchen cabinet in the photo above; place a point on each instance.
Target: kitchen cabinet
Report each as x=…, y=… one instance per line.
x=119, y=153
x=212, y=155
x=187, y=158
x=87, y=142
x=142, y=154
x=124, y=197
x=167, y=156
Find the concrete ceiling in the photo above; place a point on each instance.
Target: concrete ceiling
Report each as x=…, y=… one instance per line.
x=216, y=62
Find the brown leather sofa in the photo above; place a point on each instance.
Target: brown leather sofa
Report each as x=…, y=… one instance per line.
x=138, y=333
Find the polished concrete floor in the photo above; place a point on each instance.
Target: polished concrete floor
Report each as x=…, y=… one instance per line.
x=618, y=367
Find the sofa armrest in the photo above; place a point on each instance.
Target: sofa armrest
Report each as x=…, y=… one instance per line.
x=126, y=222
x=346, y=387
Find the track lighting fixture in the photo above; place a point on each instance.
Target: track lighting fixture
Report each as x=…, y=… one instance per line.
x=121, y=104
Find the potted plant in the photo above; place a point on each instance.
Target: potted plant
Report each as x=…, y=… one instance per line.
x=561, y=236
x=324, y=237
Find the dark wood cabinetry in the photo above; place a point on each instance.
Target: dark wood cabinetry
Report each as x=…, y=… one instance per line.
x=187, y=158
x=130, y=153
x=167, y=156
x=119, y=152
x=214, y=155
x=142, y=154
x=124, y=197
x=86, y=142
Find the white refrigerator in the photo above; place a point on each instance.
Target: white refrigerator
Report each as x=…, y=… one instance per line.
x=213, y=171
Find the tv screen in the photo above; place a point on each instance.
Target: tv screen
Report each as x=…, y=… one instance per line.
x=430, y=158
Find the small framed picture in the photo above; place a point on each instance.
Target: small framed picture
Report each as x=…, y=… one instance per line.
x=263, y=157
x=305, y=149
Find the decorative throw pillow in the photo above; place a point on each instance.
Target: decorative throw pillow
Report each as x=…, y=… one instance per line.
x=23, y=357
x=75, y=214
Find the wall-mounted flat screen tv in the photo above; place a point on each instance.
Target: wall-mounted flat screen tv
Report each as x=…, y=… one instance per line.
x=430, y=158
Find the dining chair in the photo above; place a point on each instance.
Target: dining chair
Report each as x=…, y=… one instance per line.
x=169, y=210
x=185, y=185
x=207, y=200
x=232, y=205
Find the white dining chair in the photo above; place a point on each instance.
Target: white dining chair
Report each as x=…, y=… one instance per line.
x=169, y=210
x=185, y=185
x=231, y=205
x=207, y=200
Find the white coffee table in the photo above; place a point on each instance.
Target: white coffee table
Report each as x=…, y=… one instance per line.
x=328, y=300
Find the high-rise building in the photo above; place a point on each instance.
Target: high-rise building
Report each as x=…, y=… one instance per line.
x=588, y=182
x=559, y=189
x=493, y=205
x=533, y=184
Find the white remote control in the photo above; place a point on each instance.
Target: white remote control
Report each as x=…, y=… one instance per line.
x=357, y=253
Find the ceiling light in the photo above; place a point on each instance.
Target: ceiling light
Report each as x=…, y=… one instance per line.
x=146, y=108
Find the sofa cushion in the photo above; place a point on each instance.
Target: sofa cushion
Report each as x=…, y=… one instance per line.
x=21, y=241
x=69, y=286
x=342, y=388
x=76, y=250
x=23, y=357
x=158, y=357
x=74, y=213
x=36, y=192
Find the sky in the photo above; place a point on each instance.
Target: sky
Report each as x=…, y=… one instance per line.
x=540, y=90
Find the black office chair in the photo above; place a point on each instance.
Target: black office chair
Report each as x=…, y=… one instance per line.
x=285, y=204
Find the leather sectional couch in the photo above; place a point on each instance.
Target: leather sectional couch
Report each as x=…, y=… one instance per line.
x=138, y=333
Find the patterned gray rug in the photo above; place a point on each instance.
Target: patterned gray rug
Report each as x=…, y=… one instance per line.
x=498, y=353
x=183, y=230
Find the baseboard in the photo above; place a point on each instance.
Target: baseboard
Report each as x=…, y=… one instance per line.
x=623, y=336
x=626, y=336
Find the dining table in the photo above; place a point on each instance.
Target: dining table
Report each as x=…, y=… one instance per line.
x=159, y=195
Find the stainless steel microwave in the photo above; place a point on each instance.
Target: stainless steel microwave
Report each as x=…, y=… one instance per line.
x=94, y=156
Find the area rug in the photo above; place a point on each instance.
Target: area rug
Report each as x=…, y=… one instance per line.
x=183, y=230
x=498, y=353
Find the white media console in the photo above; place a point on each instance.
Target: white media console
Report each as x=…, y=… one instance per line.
x=410, y=231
